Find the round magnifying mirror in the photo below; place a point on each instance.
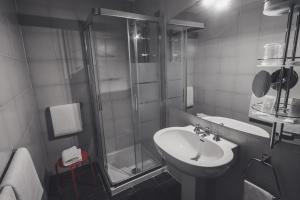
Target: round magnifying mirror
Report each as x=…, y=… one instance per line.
x=261, y=84
x=275, y=79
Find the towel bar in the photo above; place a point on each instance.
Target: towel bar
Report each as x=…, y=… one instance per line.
x=265, y=160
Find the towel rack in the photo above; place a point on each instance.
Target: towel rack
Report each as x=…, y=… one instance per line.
x=266, y=161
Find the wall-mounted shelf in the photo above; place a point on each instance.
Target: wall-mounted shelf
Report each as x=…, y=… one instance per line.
x=284, y=115
x=280, y=115
x=289, y=62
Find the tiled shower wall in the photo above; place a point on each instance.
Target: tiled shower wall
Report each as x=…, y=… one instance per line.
x=19, y=121
x=114, y=82
x=227, y=57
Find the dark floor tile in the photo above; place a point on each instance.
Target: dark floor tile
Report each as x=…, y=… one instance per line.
x=171, y=190
x=89, y=186
x=129, y=194
x=162, y=178
x=162, y=187
x=148, y=190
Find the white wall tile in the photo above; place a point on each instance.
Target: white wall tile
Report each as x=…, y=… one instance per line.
x=52, y=95
x=174, y=88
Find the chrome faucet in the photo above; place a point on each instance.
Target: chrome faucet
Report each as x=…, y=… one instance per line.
x=197, y=129
x=216, y=135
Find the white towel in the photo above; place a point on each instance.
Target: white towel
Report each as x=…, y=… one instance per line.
x=66, y=119
x=7, y=193
x=22, y=177
x=190, y=96
x=71, y=156
x=253, y=192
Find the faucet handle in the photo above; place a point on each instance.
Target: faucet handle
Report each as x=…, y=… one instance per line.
x=207, y=130
x=197, y=127
x=216, y=138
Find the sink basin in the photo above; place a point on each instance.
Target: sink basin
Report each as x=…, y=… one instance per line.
x=194, y=155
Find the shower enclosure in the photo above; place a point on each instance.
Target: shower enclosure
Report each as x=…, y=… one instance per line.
x=123, y=61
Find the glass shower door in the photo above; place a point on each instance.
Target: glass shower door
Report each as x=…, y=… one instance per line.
x=146, y=77
x=125, y=83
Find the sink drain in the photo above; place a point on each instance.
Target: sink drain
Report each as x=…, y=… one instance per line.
x=196, y=158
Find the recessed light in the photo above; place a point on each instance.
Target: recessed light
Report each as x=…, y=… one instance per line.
x=222, y=4
x=208, y=3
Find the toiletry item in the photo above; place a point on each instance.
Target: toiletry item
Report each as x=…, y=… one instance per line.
x=71, y=156
x=295, y=107
x=268, y=104
x=276, y=7
x=7, y=193
x=190, y=96
x=22, y=177
x=253, y=192
x=272, y=54
x=290, y=120
x=66, y=119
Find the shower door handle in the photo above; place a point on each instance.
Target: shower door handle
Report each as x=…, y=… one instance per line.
x=135, y=102
x=99, y=104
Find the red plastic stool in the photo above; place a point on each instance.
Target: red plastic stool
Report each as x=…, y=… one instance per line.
x=73, y=167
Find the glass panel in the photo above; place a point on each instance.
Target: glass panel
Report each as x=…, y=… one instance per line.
x=176, y=67
x=146, y=80
x=90, y=64
x=112, y=65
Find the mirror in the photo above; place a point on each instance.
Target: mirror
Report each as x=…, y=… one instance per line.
x=261, y=84
x=275, y=78
x=225, y=57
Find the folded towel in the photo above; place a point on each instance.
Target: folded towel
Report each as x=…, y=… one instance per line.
x=22, y=177
x=190, y=96
x=66, y=119
x=253, y=192
x=71, y=156
x=7, y=193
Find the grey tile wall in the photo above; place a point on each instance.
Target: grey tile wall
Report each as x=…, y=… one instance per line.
x=58, y=75
x=19, y=120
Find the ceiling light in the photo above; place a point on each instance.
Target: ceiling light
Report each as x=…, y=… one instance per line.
x=222, y=4
x=208, y=3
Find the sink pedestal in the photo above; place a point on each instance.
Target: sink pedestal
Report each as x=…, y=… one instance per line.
x=192, y=188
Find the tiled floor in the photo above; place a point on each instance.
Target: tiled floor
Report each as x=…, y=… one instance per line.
x=162, y=187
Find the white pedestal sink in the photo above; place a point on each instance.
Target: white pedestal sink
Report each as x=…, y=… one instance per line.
x=190, y=157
